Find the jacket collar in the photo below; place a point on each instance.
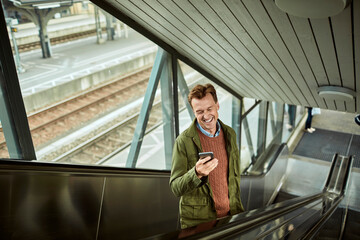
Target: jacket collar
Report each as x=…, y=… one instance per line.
x=192, y=132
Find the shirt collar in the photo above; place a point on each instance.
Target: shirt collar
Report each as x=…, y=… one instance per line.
x=218, y=126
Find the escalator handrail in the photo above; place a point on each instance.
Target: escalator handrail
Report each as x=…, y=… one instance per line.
x=271, y=162
x=258, y=216
x=316, y=228
x=21, y=165
x=309, y=234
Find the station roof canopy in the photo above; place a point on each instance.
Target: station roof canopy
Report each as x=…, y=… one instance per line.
x=284, y=51
x=43, y=4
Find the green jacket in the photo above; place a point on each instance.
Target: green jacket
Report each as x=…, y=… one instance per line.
x=196, y=202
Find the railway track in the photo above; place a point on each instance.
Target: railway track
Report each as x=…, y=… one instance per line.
x=57, y=120
x=114, y=139
x=61, y=39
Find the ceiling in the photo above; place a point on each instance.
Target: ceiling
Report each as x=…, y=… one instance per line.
x=254, y=49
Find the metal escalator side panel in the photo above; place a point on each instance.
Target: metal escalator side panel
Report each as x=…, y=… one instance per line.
x=48, y=201
x=283, y=225
x=257, y=191
x=334, y=173
x=339, y=174
x=311, y=228
x=247, y=221
x=347, y=175
x=331, y=170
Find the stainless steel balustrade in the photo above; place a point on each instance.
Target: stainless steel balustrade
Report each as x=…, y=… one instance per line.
x=60, y=201
x=298, y=218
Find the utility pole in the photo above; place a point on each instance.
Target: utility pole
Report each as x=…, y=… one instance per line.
x=17, y=55
x=98, y=26
x=19, y=69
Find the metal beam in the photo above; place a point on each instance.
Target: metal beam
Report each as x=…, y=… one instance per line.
x=236, y=118
x=167, y=103
x=184, y=90
x=12, y=110
x=146, y=108
x=272, y=119
x=247, y=132
x=174, y=67
x=262, y=127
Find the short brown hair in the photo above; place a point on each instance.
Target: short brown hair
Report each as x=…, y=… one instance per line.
x=200, y=91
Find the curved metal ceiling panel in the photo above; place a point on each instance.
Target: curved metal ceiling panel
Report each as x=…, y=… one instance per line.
x=254, y=49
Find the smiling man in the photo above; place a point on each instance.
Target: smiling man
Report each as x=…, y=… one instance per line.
x=208, y=188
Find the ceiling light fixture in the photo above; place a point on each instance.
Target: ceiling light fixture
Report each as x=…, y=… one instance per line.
x=312, y=8
x=336, y=93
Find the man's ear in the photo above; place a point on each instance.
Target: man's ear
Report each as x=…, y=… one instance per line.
x=218, y=105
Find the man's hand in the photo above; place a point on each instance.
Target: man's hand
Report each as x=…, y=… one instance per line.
x=203, y=168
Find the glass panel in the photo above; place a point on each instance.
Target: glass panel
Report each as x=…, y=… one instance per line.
x=225, y=98
x=248, y=103
x=249, y=136
x=292, y=116
x=93, y=82
x=3, y=149
x=274, y=125
x=300, y=111
x=151, y=154
x=83, y=101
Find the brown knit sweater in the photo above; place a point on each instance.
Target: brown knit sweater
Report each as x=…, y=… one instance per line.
x=218, y=178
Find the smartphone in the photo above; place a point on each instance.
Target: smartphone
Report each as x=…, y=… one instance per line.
x=206, y=154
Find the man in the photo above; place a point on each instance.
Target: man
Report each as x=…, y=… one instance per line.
x=208, y=189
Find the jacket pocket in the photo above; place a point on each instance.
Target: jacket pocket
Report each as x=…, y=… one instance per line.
x=195, y=208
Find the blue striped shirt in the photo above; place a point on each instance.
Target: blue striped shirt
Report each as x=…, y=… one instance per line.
x=207, y=133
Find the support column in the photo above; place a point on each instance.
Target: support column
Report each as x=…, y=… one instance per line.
x=12, y=111
x=236, y=118
x=16, y=50
x=140, y=128
x=99, y=38
x=174, y=67
x=184, y=91
x=168, y=113
x=43, y=34
x=110, y=30
x=262, y=127
x=272, y=119
x=247, y=133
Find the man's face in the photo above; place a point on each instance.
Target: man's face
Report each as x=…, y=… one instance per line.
x=206, y=112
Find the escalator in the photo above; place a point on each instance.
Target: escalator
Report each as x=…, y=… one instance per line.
x=297, y=218
x=59, y=201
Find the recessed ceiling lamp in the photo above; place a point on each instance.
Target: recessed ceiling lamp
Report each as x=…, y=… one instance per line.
x=312, y=8
x=336, y=93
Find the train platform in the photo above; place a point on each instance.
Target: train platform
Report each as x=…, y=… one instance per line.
x=60, y=26
x=79, y=64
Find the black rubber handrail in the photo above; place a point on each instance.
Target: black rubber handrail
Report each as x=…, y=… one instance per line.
x=244, y=221
x=310, y=233
x=19, y=165
x=266, y=215
x=270, y=163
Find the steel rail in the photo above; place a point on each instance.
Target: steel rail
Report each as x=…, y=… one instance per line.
x=101, y=135
x=87, y=105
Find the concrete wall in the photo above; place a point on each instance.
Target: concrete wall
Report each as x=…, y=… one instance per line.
x=70, y=87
